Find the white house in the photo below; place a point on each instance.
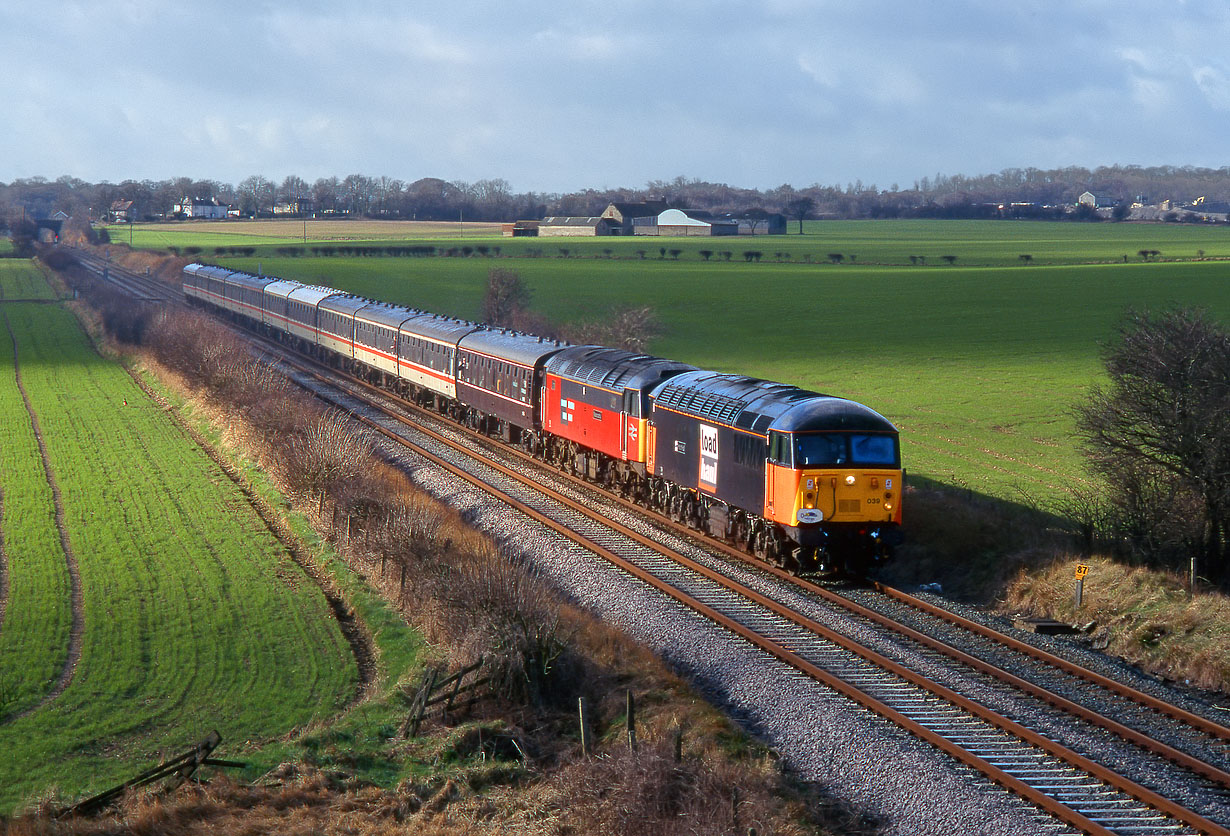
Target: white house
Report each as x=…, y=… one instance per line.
x=201, y=207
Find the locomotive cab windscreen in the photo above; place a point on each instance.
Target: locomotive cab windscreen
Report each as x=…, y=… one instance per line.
x=844, y=449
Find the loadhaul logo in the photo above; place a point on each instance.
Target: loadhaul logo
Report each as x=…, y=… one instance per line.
x=708, y=458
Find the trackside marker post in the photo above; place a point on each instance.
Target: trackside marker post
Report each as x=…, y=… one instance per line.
x=1082, y=569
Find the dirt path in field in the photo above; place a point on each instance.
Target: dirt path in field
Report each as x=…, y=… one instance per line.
x=77, y=632
x=362, y=646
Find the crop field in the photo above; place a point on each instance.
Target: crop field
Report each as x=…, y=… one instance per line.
x=979, y=367
x=969, y=243
x=21, y=280
x=238, y=233
x=194, y=617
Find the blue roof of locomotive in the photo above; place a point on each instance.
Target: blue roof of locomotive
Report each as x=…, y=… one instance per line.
x=761, y=405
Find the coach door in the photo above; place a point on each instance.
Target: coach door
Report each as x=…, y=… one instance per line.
x=651, y=449
x=624, y=415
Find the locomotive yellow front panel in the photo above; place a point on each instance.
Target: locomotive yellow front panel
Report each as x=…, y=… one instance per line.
x=797, y=497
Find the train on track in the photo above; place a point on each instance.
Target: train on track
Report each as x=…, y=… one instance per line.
x=802, y=480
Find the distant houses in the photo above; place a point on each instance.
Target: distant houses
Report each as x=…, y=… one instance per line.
x=651, y=218
x=121, y=212
x=298, y=207
x=200, y=207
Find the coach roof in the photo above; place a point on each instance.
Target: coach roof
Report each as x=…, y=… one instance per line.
x=446, y=329
x=241, y=279
x=313, y=294
x=525, y=349
x=613, y=368
x=385, y=314
x=345, y=305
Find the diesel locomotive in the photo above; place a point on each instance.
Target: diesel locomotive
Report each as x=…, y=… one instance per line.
x=800, y=479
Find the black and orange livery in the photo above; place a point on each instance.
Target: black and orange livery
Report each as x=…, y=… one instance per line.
x=796, y=477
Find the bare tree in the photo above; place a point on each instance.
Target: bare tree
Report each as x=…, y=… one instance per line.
x=1163, y=421
x=324, y=193
x=506, y=297
x=294, y=188
x=800, y=208
x=256, y=195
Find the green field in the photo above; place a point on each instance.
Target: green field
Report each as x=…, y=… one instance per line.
x=980, y=368
x=979, y=362
x=195, y=617
x=972, y=243
x=20, y=280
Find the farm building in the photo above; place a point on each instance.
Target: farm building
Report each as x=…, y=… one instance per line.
x=122, y=211
x=1087, y=199
x=624, y=213
x=521, y=229
x=681, y=222
x=569, y=227
x=200, y=207
x=759, y=222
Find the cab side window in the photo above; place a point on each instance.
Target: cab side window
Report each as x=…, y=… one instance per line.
x=780, y=450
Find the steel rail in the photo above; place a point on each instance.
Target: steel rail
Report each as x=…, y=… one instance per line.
x=999, y=776
x=1195, y=720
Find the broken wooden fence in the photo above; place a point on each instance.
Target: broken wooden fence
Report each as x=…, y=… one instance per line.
x=449, y=691
x=178, y=769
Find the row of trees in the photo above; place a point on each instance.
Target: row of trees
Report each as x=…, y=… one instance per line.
x=1024, y=193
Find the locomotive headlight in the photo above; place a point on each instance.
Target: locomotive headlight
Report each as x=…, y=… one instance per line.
x=849, y=480
x=888, y=506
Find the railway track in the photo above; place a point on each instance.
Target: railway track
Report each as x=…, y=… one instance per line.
x=141, y=287
x=1067, y=784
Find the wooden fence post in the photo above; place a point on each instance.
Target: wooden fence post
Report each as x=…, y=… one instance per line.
x=631, y=712
x=586, y=743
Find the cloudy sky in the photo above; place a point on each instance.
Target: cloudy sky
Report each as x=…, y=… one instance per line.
x=556, y=96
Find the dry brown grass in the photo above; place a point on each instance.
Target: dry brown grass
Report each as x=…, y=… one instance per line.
x=1148, y=616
